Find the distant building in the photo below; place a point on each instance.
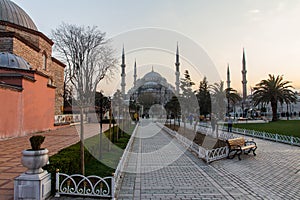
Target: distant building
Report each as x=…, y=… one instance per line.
x=31, y=80
x=152, y=87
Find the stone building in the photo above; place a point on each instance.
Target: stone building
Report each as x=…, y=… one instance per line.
x=153, y=85
x=26, y=54
x=152, y=88
x=20, y=36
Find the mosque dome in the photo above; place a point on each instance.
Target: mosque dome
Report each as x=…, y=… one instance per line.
x=11, y=12
x=152, y=76
x=9, y=60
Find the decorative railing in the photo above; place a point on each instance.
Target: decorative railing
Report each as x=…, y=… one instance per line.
x=207, y=155
x=268, y=136
x=124, y=159
x=253, y=133
x=220, y=134
x=67, y=119
x=216, y=154
x=79, y=185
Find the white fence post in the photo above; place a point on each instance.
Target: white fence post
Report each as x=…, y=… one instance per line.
x=57, y=184
x=112, y=188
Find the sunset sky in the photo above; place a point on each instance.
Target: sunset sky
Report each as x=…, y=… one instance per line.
x=269, y=30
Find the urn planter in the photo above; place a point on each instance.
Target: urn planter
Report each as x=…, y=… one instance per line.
x=35, y=183
x=34, y=160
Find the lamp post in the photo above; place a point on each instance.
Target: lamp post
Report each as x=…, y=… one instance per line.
x=110, y=133
x=100, y=122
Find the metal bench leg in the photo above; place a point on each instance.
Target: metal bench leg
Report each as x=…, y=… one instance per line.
x=254, y=151
x=239, y=154
x=232, y=156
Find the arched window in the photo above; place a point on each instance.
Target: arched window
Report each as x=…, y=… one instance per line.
x=44, y=61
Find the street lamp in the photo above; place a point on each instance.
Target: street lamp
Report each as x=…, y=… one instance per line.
x=100, y=122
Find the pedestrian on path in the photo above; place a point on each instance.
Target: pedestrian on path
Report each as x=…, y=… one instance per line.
x=230, y=124
x=213, y=123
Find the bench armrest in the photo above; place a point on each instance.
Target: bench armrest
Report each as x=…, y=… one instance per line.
x=250, y=142
x=236, y=147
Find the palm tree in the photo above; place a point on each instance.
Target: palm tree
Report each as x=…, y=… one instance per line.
x=218, y=100
x=220, y=94
x=232, y=97
x=273, y=90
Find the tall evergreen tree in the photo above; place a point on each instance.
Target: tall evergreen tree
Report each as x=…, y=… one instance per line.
x=203, y=97
x=188, y=101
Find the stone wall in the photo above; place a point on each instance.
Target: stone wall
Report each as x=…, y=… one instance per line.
x=6, y=44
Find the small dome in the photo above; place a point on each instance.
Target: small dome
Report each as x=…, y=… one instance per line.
x=10, y=12
x=9, y=60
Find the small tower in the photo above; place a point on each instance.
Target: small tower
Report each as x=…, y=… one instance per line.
x=228, y=76
x=135, y=74
x=177, y=73
x=244, y=73
x=123, y=84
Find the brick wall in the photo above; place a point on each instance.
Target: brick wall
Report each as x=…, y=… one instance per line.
x=32, y=46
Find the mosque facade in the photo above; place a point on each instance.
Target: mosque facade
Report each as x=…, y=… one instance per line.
x=152, y=88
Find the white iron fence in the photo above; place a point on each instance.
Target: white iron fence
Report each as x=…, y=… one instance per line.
x=93, y=186
x=79, y=185
x=269, y=136
x=258, y=134
x=67, y=119
x=205, y=154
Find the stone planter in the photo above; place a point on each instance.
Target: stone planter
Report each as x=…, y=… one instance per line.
x=34, y=160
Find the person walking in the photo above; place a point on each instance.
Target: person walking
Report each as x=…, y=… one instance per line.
x=213, y=123
x=230, y=122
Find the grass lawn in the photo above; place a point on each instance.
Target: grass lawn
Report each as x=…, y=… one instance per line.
x=283, y=127
x=68, y=159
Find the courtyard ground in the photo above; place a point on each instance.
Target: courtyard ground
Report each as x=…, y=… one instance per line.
x=10, y=152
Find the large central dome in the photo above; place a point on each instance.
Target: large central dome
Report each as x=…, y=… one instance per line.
x=10, y=12
x=152, y=76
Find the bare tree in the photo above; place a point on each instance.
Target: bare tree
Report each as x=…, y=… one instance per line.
x=89, y=58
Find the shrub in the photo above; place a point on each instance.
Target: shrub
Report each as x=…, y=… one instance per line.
x=36, y=142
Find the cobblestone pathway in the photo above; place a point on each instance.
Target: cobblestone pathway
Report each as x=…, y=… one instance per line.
x=163, y=169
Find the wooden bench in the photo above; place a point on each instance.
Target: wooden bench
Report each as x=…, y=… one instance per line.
x=237, y=146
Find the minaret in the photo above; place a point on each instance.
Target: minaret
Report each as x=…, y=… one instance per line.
x=123, y=84
x=228, y=77
x=244, y=72
x=177, y=73
x=134, y=75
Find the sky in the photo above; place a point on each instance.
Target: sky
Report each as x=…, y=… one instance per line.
x=269, y=30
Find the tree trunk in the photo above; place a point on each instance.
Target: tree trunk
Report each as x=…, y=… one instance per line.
x=287, y=111
x=274, y=111
x=82, y=143
x=110, y=130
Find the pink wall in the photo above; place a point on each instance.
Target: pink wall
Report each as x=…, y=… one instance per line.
x=10, y=113
x=27, y=111
x=39, y=103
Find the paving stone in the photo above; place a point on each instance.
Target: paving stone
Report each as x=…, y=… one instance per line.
x=175, y=173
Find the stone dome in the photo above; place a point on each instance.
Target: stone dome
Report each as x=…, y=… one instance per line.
x=10, y=60
x=152, y=76
x=10, y=12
